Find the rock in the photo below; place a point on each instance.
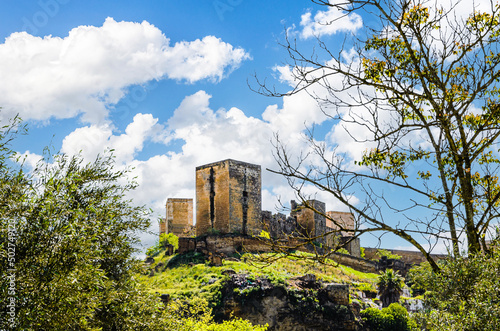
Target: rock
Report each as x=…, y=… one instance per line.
x=338, y=293
x=308, y=281
x=165, y=298
x=149, y=260
x=159, y=266
x=261, y=302
x=229, y=272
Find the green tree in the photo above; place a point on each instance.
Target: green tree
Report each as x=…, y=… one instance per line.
x=393, y=318
x=464, y=295
x=390, y=285
x=423, y=87
x=66, y=245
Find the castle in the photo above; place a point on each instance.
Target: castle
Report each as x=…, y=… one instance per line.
x=229, y=201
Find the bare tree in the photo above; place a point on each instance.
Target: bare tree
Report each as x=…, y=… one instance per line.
x=423, y=87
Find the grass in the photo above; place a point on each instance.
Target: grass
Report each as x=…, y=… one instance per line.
x=188, y=276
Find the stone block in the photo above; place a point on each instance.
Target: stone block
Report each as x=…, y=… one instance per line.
x=338, y=293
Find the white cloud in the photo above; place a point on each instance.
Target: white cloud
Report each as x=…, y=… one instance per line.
x=329, y=22
x=94, y=139
x=89, y=70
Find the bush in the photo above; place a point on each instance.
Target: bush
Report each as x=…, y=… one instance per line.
x=393, y=318
x=196, y=315
x=383, y=252
x=464, y=296
x=165, y=239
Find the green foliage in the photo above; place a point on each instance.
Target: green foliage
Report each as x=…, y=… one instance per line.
x=420, y=278
x=73, y=233
x=165, y=238
x=464, y=296
x=197, y=315
x=188, y=275
x=342, y=250
x=264, y=234
x=393, y=318
x=362, y=252
x=390, y=285
x=388, y=254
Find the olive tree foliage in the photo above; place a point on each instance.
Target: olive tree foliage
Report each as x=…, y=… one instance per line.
x=67, y=240
x=422, y=86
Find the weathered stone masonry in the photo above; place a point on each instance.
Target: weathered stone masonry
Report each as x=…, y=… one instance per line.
x=179, y=217
x=228, y=198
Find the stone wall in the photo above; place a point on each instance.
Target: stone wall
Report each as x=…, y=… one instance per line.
x=337, y=220
x=227, y=244
x=353, y=245
x=228, y=198
x=179, y=217
x=409, y=257
x=310, y=219
x=279, y=226
x=357, y=263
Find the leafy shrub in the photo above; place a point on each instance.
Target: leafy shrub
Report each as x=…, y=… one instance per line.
x=342, y=250
x=393, y=318
x=197, y=315
x=367, y=288
x=165, y=239
x=383, y=252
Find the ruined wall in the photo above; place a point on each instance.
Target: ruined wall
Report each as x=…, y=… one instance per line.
x=338, y=220
x=232, y=243
x=179, y=217
x=410, y=257
x=278, y=225
x=352, y=245
x=310, y=223
x=228, y=198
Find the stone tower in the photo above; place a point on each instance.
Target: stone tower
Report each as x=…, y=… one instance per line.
x=228, y=198
x=179, y=218
x=310, y=223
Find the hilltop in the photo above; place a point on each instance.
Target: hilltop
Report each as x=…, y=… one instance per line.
x=246, y=287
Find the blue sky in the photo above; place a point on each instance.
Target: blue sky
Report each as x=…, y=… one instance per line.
x=164, y=83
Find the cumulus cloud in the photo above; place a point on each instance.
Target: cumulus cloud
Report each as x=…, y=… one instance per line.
x=94, y=139
x=89, y=71
x=329, y=22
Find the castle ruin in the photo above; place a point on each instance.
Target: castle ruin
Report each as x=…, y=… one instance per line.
x=179, y=217
x=228, y=201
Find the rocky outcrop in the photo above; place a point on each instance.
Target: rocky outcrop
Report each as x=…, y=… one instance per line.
x=302, y=304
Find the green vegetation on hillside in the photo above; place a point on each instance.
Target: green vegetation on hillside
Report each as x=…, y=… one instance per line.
x=194, y=277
